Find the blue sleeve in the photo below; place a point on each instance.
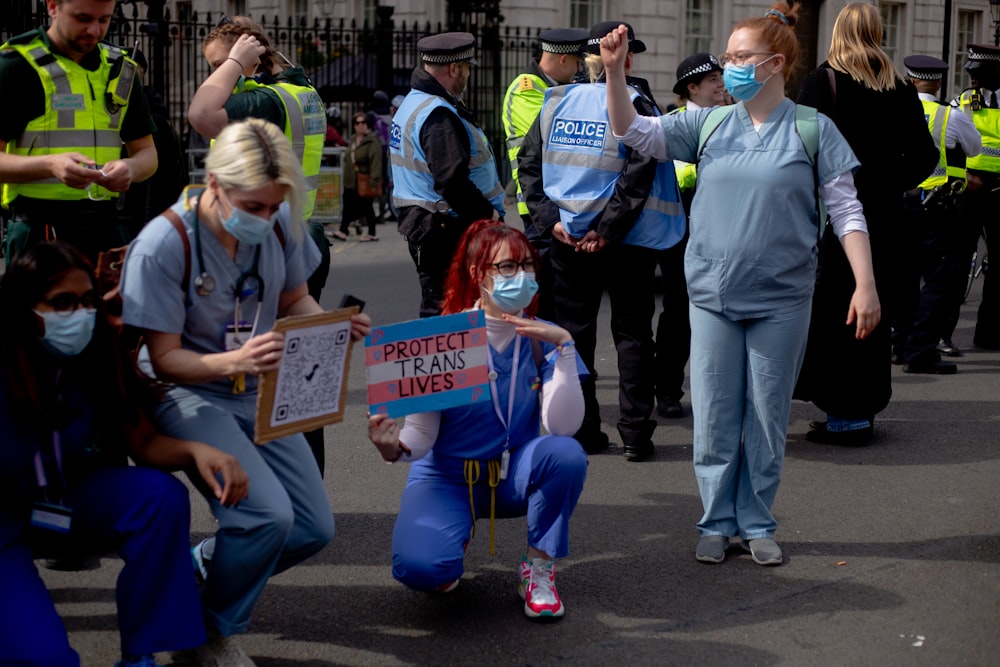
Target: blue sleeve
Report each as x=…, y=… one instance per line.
x=151, y=285
x=835, y=156
x=682, y=130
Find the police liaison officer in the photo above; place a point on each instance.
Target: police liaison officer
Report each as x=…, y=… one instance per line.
x=699, y=85
x=982, y=202
x=609, y=211
x=443, y=170
x=60, y=151
x=935, y=239
x=561, y=60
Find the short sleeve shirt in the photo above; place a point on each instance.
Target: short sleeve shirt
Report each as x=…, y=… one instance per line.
x=752, y=250
x=152, y=281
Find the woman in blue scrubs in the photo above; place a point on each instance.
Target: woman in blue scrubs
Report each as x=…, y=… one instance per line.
x=489, y=459
x=206, y=300
x=71, y=409
x=750, y=266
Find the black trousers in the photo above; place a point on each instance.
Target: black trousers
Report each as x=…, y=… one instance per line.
x=89, y=226
x=673, y=327
x=432, y=257
x=579, y=282
x=983, y=207
x=930, y=279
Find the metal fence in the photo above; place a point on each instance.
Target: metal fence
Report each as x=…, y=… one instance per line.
x=346, y=60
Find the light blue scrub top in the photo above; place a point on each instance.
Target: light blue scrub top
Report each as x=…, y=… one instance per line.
x=153, y=276
x=752, y=250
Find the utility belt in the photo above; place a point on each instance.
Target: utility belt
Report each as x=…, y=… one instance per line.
x=54, y=211
x=938, y=198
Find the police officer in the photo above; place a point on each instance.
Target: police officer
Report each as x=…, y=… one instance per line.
x=699, y=85
x=443, y=170
x=71, y=102
x=935, y=240
x=561, y=60
x=608, y=211
x=981, y=103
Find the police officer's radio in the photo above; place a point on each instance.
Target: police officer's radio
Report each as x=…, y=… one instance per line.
x=120, y=83
x=976, y=99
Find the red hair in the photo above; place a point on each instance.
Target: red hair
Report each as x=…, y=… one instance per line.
x=476, y=250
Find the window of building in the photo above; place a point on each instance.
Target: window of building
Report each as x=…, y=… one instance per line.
x=585, y=13
x=698, y=19
x=892, y=16
x=966, y=29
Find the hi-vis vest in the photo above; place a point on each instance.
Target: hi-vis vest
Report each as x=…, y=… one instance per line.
x=987, y=121
x=582, y=161
x=305, y=127
x=76, y=118
x=412, y=181
x=521, y=104
x=937, y=121
x=686, y=173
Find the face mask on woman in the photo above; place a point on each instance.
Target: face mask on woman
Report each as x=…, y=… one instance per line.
x=68, y=335
x=515, y=293
x=246, y=227
x=741, y=80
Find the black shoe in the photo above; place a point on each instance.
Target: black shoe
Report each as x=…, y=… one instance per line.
x=595, y=443
x=986, y=343
x=949, y=349
x=638, y=451
x=897, y=358
x=670, y=408
x=931, y=368
x=856, y=438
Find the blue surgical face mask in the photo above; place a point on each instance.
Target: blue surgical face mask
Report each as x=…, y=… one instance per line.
x=68, y=335
x=741, y=80
x=246, y=227
x=514, y=294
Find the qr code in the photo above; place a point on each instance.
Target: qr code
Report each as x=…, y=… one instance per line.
x=311, y=374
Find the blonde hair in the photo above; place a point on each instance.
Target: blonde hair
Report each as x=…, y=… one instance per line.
x=595, y=66
x=855, y=48
x=253, y=153
x=776, y=28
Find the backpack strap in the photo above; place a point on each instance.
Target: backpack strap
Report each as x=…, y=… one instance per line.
x=175, y=220
x=711, y=124
x=807, y=127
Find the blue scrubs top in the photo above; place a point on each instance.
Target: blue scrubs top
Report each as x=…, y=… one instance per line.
x=152, y=281
x=752, y=250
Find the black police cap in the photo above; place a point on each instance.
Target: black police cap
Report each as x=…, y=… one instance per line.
x=564, y=40
x=692, y=66
x=601, y=30
x=927, y=68
x=448, y=47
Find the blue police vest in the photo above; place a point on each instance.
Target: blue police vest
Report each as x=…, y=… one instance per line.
x=582, y=161
x=413, y=183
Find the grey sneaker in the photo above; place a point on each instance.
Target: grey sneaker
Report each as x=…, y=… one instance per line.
x=711, y=548
x=764, y=551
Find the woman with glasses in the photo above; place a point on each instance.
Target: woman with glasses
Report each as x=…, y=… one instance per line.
x=880, y=115
x=750, y=266
x=72, y=408
x=205, y=282
x=488, y=459
x=364, y=156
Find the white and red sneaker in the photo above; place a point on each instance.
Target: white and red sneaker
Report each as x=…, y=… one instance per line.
x=538, y=588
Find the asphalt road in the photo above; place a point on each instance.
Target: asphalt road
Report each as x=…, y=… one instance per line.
x=892, y=550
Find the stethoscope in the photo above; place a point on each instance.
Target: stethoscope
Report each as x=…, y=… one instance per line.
x=204, y=284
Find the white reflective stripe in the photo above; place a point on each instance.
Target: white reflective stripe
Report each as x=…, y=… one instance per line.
x=312, y=182
x=582, y=205
x=71, y=139
x=410, y=163
x=666, y=207
x=410, y=123
x=602, y=162
x=66, y=117
x=989, y=151
x=295, y=121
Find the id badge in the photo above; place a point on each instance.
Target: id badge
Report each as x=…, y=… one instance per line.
x=51, y=517
x=237, y=334
x=504, y=464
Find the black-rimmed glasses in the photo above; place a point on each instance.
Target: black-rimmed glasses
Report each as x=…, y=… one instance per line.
x=508, y=268
x=66, y=303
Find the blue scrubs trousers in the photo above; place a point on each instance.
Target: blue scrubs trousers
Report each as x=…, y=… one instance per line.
x=144, y=515
x=286, y=519
x=434, y=524
x=742, y=376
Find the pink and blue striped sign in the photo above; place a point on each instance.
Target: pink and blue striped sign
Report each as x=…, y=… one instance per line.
x=427, y=364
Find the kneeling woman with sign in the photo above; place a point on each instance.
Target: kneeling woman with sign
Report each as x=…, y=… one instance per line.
x=205, y=282
x=488, y=459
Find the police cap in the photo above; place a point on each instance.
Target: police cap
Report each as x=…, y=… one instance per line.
x=982, y=55
x=691, y=67
x=599, y=31
x=564, y=41
x=448, y=47
x=927, y=68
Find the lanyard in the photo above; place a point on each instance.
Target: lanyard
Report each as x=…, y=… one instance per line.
x=239, y=293
x=510, y=399
x=43, y=482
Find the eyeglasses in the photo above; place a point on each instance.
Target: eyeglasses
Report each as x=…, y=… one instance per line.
x=508, y=268
x=360, y=122
x=66, y=303
x=741, y=58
